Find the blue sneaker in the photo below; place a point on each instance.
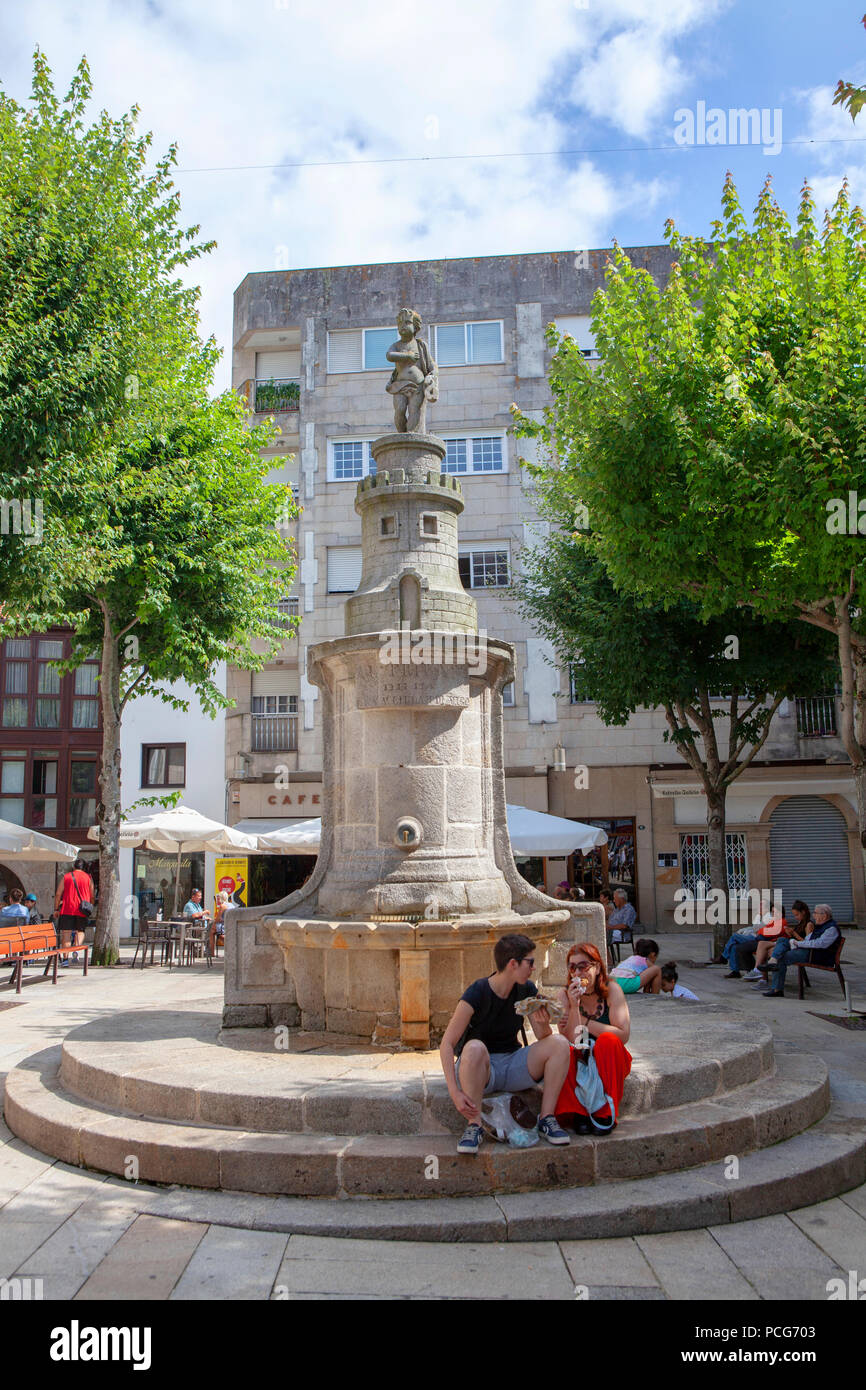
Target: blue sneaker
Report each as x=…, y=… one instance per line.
x=471, y=1141
x=552, y=1130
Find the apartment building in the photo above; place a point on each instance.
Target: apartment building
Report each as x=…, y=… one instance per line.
x=50, y=751
x=309, y=349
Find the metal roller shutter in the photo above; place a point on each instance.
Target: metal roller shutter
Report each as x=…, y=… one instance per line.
x=809, y=854
x=277, y=366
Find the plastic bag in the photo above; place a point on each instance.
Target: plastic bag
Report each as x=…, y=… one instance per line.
x=508, y=1118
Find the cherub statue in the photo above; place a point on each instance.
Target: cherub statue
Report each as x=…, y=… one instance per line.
x=415, y=378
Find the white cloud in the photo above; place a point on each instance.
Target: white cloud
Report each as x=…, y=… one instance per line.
x=259, y=84
x=843, y=155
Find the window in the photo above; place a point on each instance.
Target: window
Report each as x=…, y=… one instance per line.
x=360, y=349
x=508, y=694
x=482, y=453
x=349, y=460
x=163, y=765
x=12, y=773
x=344, y=568
x=578, y=327
x=274, y=704
x=82, y=793
x=575, y=690
x=695, y=861
x=387, y=526
x=85, y=705
x=468, y=344
x=43, y=815
x=429, y=524
x=484, y=569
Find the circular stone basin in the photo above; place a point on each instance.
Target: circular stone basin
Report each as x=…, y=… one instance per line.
x=177, y=1065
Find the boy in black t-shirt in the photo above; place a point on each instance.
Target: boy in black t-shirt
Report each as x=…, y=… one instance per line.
x=483, y=1033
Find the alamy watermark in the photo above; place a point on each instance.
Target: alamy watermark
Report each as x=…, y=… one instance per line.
x=737, y=126
x=22, y=517
x=425, y=648
x=713, y=907
x=846, y=516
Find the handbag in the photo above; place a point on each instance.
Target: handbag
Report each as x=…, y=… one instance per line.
x=589, y=1089
x=84, y=907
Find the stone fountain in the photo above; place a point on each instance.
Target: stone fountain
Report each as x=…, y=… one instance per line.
x=415, y=878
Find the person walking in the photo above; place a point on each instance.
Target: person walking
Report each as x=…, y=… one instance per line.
x=76, y=887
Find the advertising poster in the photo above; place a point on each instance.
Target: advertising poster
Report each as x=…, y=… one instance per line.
x=231, y=877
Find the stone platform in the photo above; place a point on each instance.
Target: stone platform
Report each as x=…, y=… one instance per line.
x=337, y=1118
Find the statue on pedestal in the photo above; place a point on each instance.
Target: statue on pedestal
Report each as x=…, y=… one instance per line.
x=415, y=378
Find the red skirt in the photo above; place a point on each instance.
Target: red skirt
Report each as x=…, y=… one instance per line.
x=614, y=1064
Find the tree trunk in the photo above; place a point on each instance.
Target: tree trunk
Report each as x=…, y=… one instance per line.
x=106, y=942
x=718, y=863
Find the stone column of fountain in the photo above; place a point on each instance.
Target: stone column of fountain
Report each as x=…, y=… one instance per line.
x=415, y=878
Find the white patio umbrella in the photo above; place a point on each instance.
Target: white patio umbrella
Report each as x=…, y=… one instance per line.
x=531, y=832
x=180, y=829
x=17, y=842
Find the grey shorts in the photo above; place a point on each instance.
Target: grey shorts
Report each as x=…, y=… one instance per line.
x=509, y=1071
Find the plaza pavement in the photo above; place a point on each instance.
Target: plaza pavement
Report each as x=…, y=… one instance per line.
x=88, y=1236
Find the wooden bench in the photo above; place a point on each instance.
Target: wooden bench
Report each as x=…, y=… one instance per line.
x=834, y=968
x=22, y=944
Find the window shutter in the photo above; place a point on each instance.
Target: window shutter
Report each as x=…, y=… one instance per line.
x=274, y=681
x=578, y=327
x=345, y=351
x=450, y=345
x=277, y=366
x=485, y=342
x=344, y=569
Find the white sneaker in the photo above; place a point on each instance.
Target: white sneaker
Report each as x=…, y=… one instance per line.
x=753, y=975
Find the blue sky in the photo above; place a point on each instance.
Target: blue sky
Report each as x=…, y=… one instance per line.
x=271, y=82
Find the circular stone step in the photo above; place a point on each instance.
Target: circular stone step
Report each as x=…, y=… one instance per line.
x=42, y=1113
x=176, y=1065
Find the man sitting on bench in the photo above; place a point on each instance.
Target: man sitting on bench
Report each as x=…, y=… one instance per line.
x=818, y=948
x=483, y=1033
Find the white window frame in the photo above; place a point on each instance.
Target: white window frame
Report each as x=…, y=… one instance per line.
x=508, y=697
x=473, y=550
x=368, y=463
x=452, y=436
x=348, y=371
x=466, y=325
x=274, y=705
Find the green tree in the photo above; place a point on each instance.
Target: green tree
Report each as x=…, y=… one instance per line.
x=723, y=434
x=849, y=96
x=159, y=536
x=718, y=695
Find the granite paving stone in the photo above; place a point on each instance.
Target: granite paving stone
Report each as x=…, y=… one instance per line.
x=232, y=1265
x=691, y=1265
x=146, y=1262
x=72, y=1252
x=405, y=1267
x=608, y=1262
x=778, y=1260
x=838, y=1229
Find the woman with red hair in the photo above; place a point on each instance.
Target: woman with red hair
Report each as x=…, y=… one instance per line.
x=594, y=1000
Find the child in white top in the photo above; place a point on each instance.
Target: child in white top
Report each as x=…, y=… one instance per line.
x=669, y=984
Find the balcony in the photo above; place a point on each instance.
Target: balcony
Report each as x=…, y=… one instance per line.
x=274, y=733
x=816, y=716
x=275, y=396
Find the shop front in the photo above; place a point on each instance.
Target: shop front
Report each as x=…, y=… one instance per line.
x=154, y=876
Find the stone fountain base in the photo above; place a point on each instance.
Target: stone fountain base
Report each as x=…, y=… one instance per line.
x=393, y=981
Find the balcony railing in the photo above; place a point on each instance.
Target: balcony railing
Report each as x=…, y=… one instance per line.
x=274, y=733
x=816, y=716
x=277, y=395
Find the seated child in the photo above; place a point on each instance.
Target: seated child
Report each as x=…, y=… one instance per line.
x=669, y=983
x=640, y=970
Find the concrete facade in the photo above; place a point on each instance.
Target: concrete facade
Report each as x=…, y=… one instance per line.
x=310, y=316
